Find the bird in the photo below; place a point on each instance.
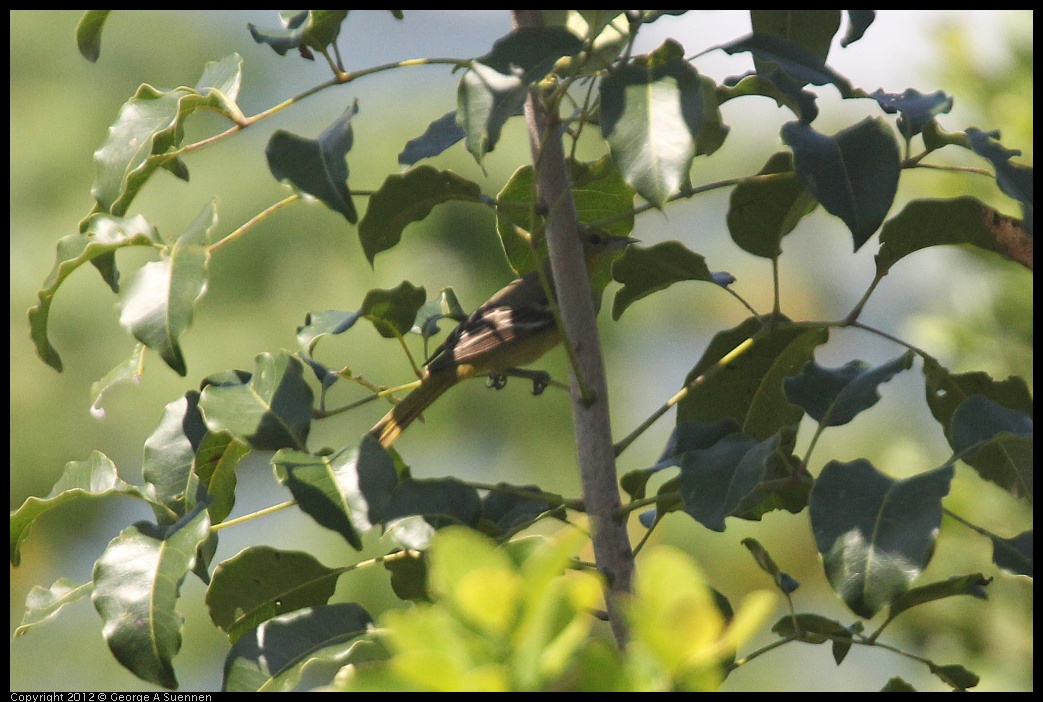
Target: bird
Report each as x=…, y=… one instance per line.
x=513, y=328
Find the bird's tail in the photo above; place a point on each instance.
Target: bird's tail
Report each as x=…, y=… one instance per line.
x=402, y=415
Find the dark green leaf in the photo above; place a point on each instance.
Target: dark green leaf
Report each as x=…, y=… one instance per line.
x=835, y=396
x=973, y=585
x=810, y=628
x=262, y=582
x=693, y=436
x=764, y=209
x=775, y=85
x=915, y=109
x=854, y=174
x=1014, y=555
x=750, y=389
x=645, y=271
x=408, y=571
x=858, y=23
x=88, y=33
x=495, y=86
x=217, y=457
x=441, y=501
x=737, y=476
x=272, y=656
x=102, y=236
x=393, y=311
x=800, y=64
x=169, y=456
x=875, y=534
x=347, y=492
x=439, y=136
x=896, y=684
x=924, y=223
x=317, y=167
x=316, y=29
x=1014, y=180
x=269, y=412
x=503, y=509
x=445, y=306
x=158, y=304
x=812, y=30
x=137, y=582
x=407, y=198
x=44, y=604
x=652, y=113
x=996, y=441
x=95, y=477
x=955, y=675
x=947, y=391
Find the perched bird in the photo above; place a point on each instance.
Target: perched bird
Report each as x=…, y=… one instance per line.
x=514, y=328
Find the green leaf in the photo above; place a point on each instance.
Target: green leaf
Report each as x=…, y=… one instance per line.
x=958, y=677
x=598, y=190
x=408, y=574
x=652, y=113
x=269, y=412
x=996, y=441
x=783, y=580
x=88, y=33
x=766, y=208
x=216, y=459
x=439, y=136
x=316, y=29
x=317, y=167
x=44, y=604
x=737, y=476
x=504, y=510
x=137, y=582
x=858, y=23
x=272, y=656
x=1014, y=555
x=102, y=236
x=169, y=456
x=810, y=628
x=393, y=311
x=973, y=585
x=924, y=223
x=407, y=198
x=261, y=582
x=495, y=86
x=875, y=534
x=854, y=174
x=801, y=64
x=750, y=390
x=347, y=492
x=158, y=303
x=646, y=271
x=915, y=109
x=1014, y=180
x=835, y=396
x=897, y=684
x=149, y=130
x=812, y=30
x=319, y=324
x=130, y=369
x=95, y=477
x=441, y=501
x=946, y=391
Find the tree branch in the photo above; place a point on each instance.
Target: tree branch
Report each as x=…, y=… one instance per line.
x=590, y=415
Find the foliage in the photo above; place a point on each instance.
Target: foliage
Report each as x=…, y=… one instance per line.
x=496, y=609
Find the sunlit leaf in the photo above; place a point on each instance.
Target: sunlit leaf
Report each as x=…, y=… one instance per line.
x=651, y=115
x=88, y=33
x=270, y=411
x=44, y=604
x=137, y=582
x=130, y=369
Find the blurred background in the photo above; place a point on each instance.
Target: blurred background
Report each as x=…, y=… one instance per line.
x=971, y=311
